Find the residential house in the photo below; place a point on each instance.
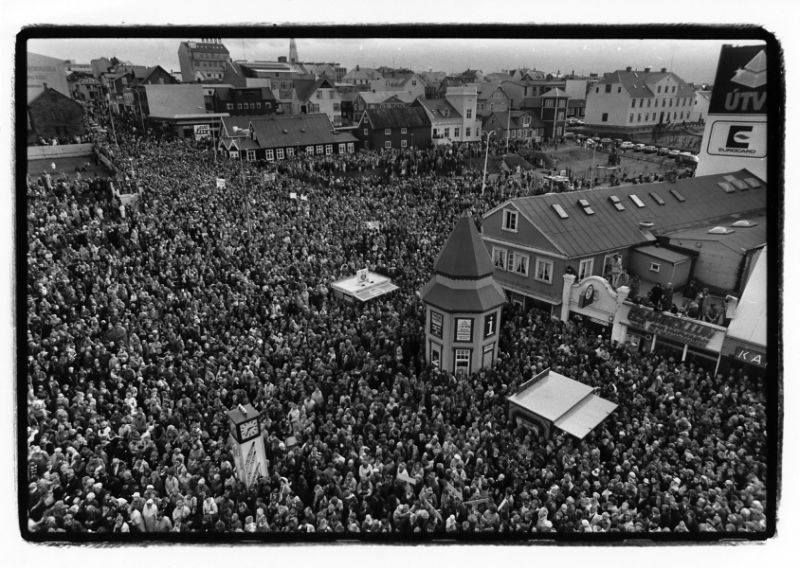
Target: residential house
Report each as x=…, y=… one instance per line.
x=464, y=98
x=576, y=90
x=53, y=114
x=433, y=81
x=515, y=125
x=364, y=77
x=553, y=113
x=401, y=127
x=84, y=87
x=534, y=241
x=404, y=82
x=380, y=99
x=525, y=74
x=278, y=76
x=492, y=98
x=319, y=95
x=700, y=106
x=446, y=122
x=203, y=61
x=282, y=137
x=635, y=99
x=184, y=110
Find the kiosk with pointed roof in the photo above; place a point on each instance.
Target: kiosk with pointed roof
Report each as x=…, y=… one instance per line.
x=462, y=304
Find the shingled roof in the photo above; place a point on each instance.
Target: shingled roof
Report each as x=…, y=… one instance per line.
x=464, y=255
x=276, y=131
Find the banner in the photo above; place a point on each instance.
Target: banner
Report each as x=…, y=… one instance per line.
x=221, y=183
x=202, y=131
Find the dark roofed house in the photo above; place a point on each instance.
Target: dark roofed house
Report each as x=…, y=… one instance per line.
x=53, y=114
x=518, y=125
x=280, y=137
x=399, y=127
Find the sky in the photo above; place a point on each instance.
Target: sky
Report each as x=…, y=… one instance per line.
x=692, y=60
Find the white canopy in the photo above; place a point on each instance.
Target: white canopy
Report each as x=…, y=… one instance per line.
x=750, y=323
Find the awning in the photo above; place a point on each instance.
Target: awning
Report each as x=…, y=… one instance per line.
x=583, y=417
x=568, y=404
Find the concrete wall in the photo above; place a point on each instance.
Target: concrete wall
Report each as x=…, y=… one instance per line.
x=60, y=151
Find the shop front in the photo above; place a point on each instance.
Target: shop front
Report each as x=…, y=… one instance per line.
x=685, y=340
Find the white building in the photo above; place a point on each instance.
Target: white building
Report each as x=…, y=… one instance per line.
x=638, y=99
x=700, y=108
x=465, y=100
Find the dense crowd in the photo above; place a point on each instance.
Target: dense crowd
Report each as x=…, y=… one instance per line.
x=147, y=323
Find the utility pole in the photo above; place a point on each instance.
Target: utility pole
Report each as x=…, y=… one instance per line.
x=486, y=160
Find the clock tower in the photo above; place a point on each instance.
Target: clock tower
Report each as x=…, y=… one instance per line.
x=246, y=444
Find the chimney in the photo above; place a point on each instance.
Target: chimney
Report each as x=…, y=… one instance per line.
x=629, y=69
x=647, y=69
x=358, y=67
x=281, y=59
x=663, y=69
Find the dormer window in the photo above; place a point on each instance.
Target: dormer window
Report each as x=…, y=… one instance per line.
x=510, y=220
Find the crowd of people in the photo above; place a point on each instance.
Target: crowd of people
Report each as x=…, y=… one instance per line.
x=147, y=323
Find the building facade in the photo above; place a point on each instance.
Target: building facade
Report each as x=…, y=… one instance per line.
x=55, y=115
x=202, y=61
x=635, y=99
x=43, y=72
x=394, y=128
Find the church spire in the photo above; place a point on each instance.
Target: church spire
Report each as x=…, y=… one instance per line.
x=293, y=51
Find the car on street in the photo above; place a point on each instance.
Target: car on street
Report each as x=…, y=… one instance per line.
x=674, y=153
x=663, y=151
x=649, y=149
x=638, y=147
x=688, y=158
x=627, y=145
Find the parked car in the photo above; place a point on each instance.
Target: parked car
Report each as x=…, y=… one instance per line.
x=627, y=145
x=688, y=158
x=663, y=151
x=674, y=153
x=638, y=147
x=649, y=149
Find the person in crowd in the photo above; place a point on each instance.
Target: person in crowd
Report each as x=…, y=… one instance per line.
x=144, y=329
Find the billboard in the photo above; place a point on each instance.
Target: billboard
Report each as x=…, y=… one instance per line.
x=735, y=135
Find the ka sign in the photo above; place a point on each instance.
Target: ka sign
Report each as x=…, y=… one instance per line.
x=750, y=356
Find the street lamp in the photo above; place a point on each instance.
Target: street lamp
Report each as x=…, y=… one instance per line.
x=486, y=159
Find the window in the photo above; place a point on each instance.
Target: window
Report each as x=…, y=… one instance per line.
x=608, y=88
x=387, y=144
x=519, y=263
x=328, y=149
x=342, y=148
x=597, y=90
x=648, y=102
x=462, y=361
x=499, y=256
x=319, y=149
x=638, y=117
x=251, y=155
x=659, y=88
x=633, y=103
x=258, y=105
x=229, y=106
x=337, y=107
x=387, y=131
x=655, y=267
x=544, y=270
x=279, y=153
x=468, y=132
x=630, y=119
x=270, y=155
x=646, y=116
x=447, y=132
x=585, y=268
x=403, y=143
x=619, y=89
x=351, y=147
x=366, y=131
x=604, y=118
x=403, y=131
x=510, y=220
x=289, y=152
x=657, y=198
x=526, y=121
x=457, y=131
x=310, y=150
x=635, y=198
x=469, y=113
x=238, y=106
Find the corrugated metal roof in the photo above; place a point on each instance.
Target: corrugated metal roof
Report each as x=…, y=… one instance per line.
x=741, y=239
x=167, y=101
x=661, y=253
x=637, y=82
x=297, y=130
x=609, y=229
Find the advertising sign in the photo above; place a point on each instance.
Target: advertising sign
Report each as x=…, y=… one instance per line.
x=463, y=329
x=740, y=86
x=750, y=356
x=683, y=330
x=739, y=139
x=490, y=325
x=202, y=131
x=436, y=324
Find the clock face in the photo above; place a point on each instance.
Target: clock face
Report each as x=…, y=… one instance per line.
x=248, y=429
